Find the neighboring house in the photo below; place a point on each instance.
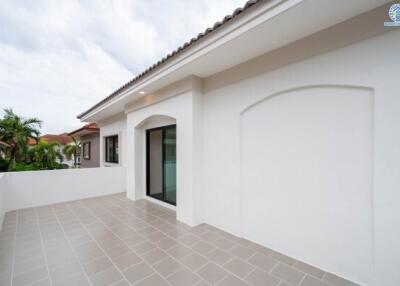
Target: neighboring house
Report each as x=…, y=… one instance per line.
x=88, y=136
x=62, y=139
x=280, y=125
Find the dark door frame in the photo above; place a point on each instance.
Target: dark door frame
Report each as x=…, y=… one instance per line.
x=162, y=128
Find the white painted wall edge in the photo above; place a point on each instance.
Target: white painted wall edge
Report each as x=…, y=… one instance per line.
x=39, y=188
x=3, y=187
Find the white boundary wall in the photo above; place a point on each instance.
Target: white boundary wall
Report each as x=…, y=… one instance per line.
x=3, y=188
x=20, y=190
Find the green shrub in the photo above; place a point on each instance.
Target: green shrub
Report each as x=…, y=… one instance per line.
x=19, y=167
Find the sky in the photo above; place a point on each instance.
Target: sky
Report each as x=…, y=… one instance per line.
x=58, y=58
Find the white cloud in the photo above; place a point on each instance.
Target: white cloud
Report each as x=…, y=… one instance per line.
x=58, y=58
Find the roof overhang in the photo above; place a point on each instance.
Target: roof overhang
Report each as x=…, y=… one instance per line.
x=271, y=25
x=84, y=131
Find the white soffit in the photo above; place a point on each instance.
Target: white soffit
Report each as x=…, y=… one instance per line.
x=263, y=29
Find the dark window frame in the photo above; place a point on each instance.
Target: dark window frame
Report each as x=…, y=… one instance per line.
x=114, y=153
x=163, y=128
x=84, y=146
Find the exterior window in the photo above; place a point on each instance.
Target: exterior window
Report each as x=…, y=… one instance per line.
x=86, y=150
x=112, y=149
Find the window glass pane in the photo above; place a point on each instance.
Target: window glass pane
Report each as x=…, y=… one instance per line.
x=112, y=149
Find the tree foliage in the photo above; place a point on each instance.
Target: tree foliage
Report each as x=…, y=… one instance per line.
x=17, y=131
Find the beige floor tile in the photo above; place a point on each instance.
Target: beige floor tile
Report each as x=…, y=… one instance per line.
x=219, y=256
x=166, y=243
x=309, y=269
x=153, y=280
x=154, y=256
x=238, y=267
x=311, y=281
x=106, y=277
x=231, y=280
x=122, y=283
x=202, y=247
x=30, y=276
x=212, y=273
x=263, y=262
x=63, y=271
x=183, y=277
x=86, y=257
x=156, y=236
x=194, y=261
x=283, y=258
x=209, y=236
x=77, y=280
x=167, y=266
x=179, y=251
x=28, y=264
x=97, y=265
x=128, y=230
x=134, y=239
x=110, y=243
x=143, y=247
x=117, y=251
x=337, y=281
x=126, y=260
x=189, y=239
x=224, y=243
x=137, y=272
x=288, y=274
x=261, y=278
x=242, y=252
x=44, y=282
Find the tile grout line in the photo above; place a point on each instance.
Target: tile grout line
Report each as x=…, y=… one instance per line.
x=179, y=260
x=70, y=244
x=148, y=264
x=122, y=274
x=209, y=260
x=169, y=256
x=43, y=248
x=15, y=248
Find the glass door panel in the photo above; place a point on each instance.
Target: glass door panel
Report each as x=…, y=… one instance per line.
x=170, y=164
x=155, y=161
x=161, y=163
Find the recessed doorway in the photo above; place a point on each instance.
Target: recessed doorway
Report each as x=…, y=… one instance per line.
x=161, y=163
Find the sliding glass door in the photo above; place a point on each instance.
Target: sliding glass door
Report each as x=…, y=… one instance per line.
x=161, y=163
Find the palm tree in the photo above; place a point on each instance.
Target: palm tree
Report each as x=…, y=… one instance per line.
x=72, y=150
x=16, y=131
x=46, y=154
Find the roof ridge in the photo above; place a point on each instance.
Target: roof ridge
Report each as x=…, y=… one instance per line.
x=172, y=54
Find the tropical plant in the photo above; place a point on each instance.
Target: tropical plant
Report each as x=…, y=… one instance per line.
x=45, y=154
x=72, y=150
x=16, y=132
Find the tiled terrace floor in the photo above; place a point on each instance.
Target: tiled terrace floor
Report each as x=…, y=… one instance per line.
x=114, y=241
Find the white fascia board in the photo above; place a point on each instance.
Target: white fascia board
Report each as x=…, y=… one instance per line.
x=232, y=30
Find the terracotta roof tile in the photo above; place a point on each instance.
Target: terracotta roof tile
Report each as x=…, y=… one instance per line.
x=186, y=45
x=89, y=127
x=62, y=139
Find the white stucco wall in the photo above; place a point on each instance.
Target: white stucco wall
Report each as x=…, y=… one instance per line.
x=3, y=189
x=38, y=188
x=334, y=204
x=364, y=214
x=178, y=110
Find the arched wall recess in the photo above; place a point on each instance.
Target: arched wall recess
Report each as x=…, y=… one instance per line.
x=306, y=165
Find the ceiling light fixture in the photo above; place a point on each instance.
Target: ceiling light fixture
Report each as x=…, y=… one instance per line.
x=142, y=92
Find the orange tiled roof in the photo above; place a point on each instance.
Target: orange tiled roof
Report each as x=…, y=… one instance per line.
x=62, y=139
